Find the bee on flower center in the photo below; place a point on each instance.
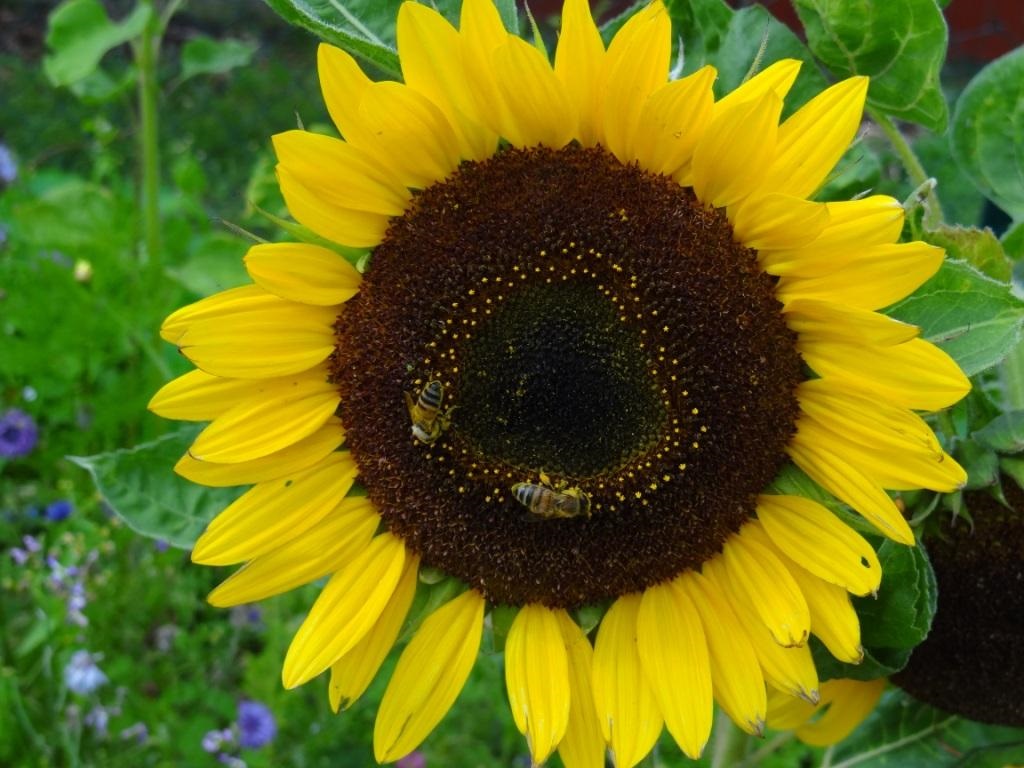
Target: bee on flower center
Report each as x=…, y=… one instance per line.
x=428, y=420
x=550, y=502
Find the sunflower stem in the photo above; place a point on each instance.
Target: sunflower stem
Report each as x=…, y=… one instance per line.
x=146, y=53
x=918, y=176
x=730, y=745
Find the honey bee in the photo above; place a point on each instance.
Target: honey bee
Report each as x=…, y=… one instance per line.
x=428, y=420
x=550, y=502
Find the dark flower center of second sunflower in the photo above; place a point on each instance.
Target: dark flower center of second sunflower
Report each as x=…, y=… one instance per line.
x=596, y=332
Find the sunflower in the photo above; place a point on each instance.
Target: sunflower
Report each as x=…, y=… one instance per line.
x=598, y=316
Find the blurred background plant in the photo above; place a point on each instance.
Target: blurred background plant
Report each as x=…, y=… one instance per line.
x=134, y=160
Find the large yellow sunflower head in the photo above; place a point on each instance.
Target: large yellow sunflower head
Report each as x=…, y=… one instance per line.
x=600, y=314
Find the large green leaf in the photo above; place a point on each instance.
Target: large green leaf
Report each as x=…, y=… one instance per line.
x=988, y=132
x=80, y=33
x=892, y=623
x=698, y=26
x=140, y=486
x=205, y=56
x=900, y=44
x=366, y=28
x=904, y=733
x=736, y=58
x=974, y=318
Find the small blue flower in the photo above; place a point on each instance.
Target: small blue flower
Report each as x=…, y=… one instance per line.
x=18, y=434
x=8, y=165
x=59, y=510
x=81, y=675
x=256, y=726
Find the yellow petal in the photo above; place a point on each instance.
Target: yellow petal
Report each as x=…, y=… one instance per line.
x=245, y=299
x=812, y=140
x=277, y=340
x=200, y=396
x=778, y=221
x=735, y=149
x=871, y=278
x=895, y=468
x=850, y=701
x=428, y=678
x=352, y=674
x=777, y=78
x=345, y=226
x=579, y=61
x=787, y=712
x=431, y=55
x=763, y=583
x=827, y=321
x=626, y=707
x=852, y=226
x=304, y=453
x=481, y=32
x=833, y=619
x=736, y=676
x=635, y=66
x=326, y=547
x=279, y=414
x=672, y=120
x=674, y=654
x=790, y=669
x=538, y=109
x=537, y=679
x=852, y=487
x=346, y=610
x=583, y=744
x=816, y=539
x=344, y=175
x=275, y=512
x=342, y=83
x=408, y=133
x=915, y=374
x=305, y=273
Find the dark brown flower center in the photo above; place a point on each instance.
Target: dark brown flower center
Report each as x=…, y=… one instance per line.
x=597, y=334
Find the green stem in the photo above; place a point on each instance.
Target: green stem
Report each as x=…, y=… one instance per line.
x=146, y=54
x=730, y=745
x=918, y=176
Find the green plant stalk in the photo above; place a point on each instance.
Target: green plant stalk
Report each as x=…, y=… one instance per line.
x=916, y=172
x=730, y=744
x=146, y=54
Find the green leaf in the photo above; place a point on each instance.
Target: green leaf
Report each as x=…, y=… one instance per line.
x=974, y=318
x=80, y=33
x=700, y=26
x=891, y=623
x=980, y=462
x=1013, y=241
x=988, y=132
x=205, y=56
x=978, y=247
x=141, y=487
x=366, y=28
x=899, y=44
x=905, y=733
x=1004, y=434
x=742, y=43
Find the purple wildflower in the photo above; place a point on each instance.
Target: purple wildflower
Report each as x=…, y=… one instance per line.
x=412, y=760
x=137, y=732
x=98, y=719
x=19, y=555
x=18, y=434
x=59, y=510
x=214, y=740
x=256, y=726
x=81, y=675
x=8, y=165
x=31, y=543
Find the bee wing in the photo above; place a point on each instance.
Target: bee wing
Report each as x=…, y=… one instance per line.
x=410, y=403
